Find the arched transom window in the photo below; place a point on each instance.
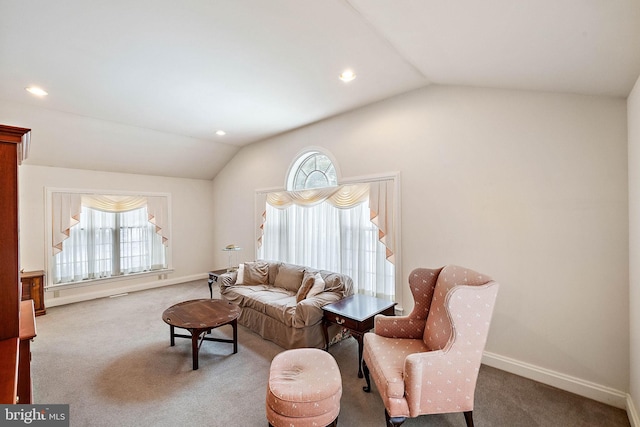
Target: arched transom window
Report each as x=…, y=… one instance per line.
x=312, y=170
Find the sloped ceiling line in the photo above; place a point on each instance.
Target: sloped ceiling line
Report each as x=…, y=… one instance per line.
x=383, y=37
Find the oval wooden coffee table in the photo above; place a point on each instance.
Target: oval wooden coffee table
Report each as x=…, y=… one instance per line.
x=199, y=317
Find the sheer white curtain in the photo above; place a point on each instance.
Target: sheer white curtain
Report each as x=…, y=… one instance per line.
x=106, y=244
x=326, y=237
x=141, y=248
x=88, y=251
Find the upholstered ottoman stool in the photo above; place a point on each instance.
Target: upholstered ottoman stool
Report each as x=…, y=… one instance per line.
x=304, y=389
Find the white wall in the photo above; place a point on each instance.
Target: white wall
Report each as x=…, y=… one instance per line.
x=633, y=112
x=191, y=218
x=530, y=188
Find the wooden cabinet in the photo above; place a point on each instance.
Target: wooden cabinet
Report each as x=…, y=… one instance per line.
x=27, y=333
x=9, y=263
x=9, y=370
x=13, y=146
x=33, y=289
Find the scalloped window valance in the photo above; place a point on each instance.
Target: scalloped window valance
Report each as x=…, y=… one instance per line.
x=67, y=206
x=379, y=193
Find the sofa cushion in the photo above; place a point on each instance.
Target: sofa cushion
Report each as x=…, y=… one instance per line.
x=385, y=358
x=289, y=277
x=263, y=297
x=241, y=294
x=283, y=310
x=255, y=273
x=308, y=280
x=273, y=271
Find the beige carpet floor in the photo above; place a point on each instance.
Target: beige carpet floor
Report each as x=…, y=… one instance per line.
x=110, y=360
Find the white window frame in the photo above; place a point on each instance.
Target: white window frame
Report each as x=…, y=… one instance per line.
x=294, y=170
x=300, y=157
x=49, y=285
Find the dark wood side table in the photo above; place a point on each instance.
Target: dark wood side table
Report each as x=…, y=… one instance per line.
x=213, y=278
x=199, y=317
x=355, y=313
x=33, y=289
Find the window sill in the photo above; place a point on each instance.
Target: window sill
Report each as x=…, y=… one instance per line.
x=106, y=280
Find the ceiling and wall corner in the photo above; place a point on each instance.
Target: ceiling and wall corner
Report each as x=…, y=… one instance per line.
x=125, y=74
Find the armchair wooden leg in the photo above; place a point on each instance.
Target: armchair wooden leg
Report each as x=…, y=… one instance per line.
x=393, y=421
x=365, y=369
x=468, y=417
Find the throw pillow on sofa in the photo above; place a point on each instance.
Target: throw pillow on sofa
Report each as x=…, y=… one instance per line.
x=289, y=277
x=318, y=286
x=240, y=275
x=307, y=283
x=253, y=273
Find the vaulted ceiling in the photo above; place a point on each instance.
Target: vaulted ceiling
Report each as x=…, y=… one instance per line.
x=256, y=68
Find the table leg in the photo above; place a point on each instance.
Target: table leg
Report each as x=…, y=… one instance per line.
x=234, y=324
x=325, y=332
x=172, y=337
x=195, y=336
x=358, y=336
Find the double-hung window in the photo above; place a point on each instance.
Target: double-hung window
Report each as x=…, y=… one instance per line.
x=107, y=236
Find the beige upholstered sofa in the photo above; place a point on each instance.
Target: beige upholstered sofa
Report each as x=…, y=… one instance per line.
x=274, y=301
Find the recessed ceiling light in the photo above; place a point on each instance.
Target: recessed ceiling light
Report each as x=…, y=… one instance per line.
x=347, y=76
x=36, y=91
x=220, y=133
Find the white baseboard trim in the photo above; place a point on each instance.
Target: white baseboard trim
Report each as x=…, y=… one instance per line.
x=632, y=413
x=102, y=293
x=559, y=380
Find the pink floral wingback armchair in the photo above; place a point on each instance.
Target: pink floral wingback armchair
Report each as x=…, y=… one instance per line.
x=428, y=362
